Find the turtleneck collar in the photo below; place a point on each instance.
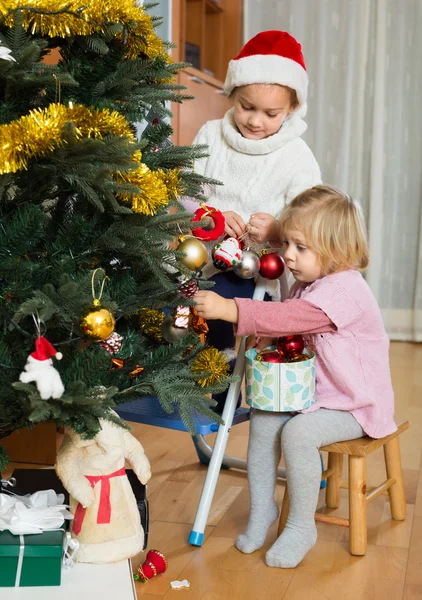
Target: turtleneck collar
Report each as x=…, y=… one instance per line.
x=292, y=128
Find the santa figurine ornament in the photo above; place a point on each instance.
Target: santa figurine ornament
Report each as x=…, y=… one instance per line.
x=39, y=368
x=227, y=254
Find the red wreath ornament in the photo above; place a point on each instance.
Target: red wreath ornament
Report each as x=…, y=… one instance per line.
x=219, y=223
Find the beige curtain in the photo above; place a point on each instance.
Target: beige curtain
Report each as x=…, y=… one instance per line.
x=365, y=127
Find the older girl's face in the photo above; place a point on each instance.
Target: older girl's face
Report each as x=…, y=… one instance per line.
x=261, y=109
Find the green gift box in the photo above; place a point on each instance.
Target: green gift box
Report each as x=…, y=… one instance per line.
x=280, y=387
x=31, y=560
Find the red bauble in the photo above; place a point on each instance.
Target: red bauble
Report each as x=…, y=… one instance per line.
x=219, y=223
x=290, y=345
x=270, y=356
x=271, y=266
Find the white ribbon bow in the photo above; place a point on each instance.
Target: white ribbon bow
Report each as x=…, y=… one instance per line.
x=35, y=513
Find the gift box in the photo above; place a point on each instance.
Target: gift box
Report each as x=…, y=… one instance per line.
x=31, y=560
x=280, y=387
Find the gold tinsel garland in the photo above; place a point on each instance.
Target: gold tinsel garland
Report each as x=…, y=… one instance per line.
x=151, y=322
x=38, y=133
x=211, y=361
x=82, y=17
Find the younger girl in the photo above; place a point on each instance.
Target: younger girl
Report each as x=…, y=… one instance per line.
x=331, y=305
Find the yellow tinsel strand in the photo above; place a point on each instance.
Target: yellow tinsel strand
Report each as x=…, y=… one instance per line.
x=82, y=17
x=151, y=322
x=211, y=361
x=157, y=188
x=38, y=133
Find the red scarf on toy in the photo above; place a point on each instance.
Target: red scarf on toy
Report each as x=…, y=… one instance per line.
x=104, y=507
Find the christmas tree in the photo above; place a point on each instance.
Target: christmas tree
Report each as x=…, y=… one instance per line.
x=89, y=217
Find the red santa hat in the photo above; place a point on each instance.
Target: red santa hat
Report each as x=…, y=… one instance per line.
x=44, y=350
x=270, y=57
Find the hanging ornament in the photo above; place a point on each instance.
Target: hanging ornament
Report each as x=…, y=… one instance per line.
x=227, y=253
x=248, y=266
x=155, y=563
x=213, y=365
x=39, y=369
x=151, y=321
x=98, y=324
x=290, y=345
x=181, y=317
x=119, y=363
x=113, y=343
x=188, y=287
x=196, y=253
x=170, y=333
x=271, y=265
x=219, y=223
x=198, y=324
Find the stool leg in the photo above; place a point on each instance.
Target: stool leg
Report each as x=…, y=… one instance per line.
x=285, y=507
x=332, y=494
x=357, y=505
x=394, y=470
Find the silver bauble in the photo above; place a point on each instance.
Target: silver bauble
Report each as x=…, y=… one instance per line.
x=248, y=267
x=171, y=333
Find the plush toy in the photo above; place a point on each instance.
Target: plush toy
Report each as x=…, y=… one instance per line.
x=106, y=522
x=39, y=368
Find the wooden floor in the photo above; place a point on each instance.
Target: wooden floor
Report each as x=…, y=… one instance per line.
x=391, y=569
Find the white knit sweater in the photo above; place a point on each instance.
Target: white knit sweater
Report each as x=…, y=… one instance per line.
x=258, y=175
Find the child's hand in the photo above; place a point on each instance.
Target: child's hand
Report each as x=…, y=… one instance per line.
x=235, y=225
x=262, y=228
x=210, y=305
x=258, y=342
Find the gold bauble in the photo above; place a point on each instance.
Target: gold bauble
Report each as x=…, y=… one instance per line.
x=196, y=253
x=98, y=324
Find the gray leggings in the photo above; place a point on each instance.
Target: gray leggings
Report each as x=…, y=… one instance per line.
x=299, y=437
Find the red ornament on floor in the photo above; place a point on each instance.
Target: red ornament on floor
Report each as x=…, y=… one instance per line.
x=271, y=266
x=154, y=564
x=290, y=345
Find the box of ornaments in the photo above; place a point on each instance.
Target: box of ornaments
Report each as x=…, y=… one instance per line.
x=281, y=378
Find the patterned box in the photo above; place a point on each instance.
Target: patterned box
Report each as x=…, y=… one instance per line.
x=280, y=387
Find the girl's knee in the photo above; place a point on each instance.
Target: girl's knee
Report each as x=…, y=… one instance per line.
x=298, y=432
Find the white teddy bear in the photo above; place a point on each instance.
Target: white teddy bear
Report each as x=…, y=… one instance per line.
x=39, y=368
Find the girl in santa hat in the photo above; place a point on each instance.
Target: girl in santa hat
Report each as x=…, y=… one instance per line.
x=257, y=152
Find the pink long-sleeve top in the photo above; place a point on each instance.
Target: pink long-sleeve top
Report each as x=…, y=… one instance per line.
x=341, y=322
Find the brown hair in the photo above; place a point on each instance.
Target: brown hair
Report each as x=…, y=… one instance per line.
x=333, y=226
x=294, y=102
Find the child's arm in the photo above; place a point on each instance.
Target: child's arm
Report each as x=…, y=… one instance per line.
x=263, y=319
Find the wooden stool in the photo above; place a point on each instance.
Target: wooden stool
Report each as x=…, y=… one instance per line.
x=359, y=494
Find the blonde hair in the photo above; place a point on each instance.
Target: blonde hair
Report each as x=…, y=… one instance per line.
x=333, y=226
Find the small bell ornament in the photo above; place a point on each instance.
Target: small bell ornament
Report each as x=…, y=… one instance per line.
x=227, y=253
x=154, y=564
x=248, y=266
x=196, y=253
